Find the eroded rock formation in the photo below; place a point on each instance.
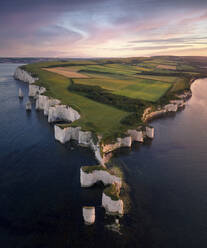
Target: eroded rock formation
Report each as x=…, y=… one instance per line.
x=62, y=113
x=85, y=138
x=28, y=106
x=89, y=215
x=89, y=179
x=45, y=102
x=112, y=206
x=20, y=93
x=24, y=76
x=35, y=90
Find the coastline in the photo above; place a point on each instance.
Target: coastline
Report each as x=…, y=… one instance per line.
x=53, y=108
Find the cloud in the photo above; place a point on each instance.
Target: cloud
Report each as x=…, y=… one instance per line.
x=102, y=28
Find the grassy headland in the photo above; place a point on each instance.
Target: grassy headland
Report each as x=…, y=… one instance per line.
x=111, y=94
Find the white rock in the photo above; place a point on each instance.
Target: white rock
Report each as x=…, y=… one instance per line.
x=20, y=93
x=120, y=142
x=136, y=135
x=110, y=147
x=171, y=107
x=97, y=152
x=150, y=132
x=66, y=134
x=35, y=90
x=89, y=179
x=28, y=105
x=62, y=113
x=117, y=221
x=44, y=102
x=24, y=76
x=125, y=142
x=89, y=215
x=112, y=206
x=84, y=138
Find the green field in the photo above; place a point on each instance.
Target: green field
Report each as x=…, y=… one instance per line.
x=144, y=89
x=113, y=88
x=91, y=119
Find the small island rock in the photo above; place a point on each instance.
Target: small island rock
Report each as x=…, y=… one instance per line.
x=89, y=215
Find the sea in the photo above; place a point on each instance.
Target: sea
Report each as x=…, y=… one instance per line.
x=40, y=195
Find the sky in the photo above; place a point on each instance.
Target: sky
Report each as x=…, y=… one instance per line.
x=102, y=28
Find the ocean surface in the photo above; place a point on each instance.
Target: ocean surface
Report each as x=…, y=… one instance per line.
x=40, y=195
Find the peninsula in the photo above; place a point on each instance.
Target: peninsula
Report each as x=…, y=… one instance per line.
x=106, y=104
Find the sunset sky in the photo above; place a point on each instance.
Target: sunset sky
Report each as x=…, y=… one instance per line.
x=92, y=28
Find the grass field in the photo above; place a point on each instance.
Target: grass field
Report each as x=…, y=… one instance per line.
x=144, y=89
x=94, y=116
x=145, y=79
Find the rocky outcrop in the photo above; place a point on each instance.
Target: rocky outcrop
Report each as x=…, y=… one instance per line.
x=24, y=76
x=150, y=132
x=89, y=215
x=136, y=135
x=154, y=114
x=132, y=135
x=45, y=102
x=62, y=113
x=28, y=106
x=112, y=206
x=35, y=90
x=120, y=142
x=146, y=113
x=171, y=107
x=20, y=93
x=88, y=179
x=64, y=135
x=84, y=138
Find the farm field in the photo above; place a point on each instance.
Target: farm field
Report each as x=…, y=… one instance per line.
x=121, y=79
x=168, y=67
x=67, y=72
x=108, y=91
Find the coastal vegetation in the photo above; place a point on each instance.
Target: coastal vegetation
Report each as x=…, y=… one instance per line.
x=112, y=94
x=91, y=168
x=113, y=192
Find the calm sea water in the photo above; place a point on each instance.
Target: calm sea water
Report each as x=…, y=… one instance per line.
x=41, y=199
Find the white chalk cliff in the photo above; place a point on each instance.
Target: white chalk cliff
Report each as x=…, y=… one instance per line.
x=45, y=102
x=173, y=106
x=62, y=113
x=51, y=107
x=24, y=76
x=112, y=206
x=132, y=135
x=89, y=179
x=35, y=90
x=136, y=135
x=64, y=135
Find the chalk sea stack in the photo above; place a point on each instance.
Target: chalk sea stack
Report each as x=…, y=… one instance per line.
x=20, y=93
x=28, y=106
x=89, y=215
